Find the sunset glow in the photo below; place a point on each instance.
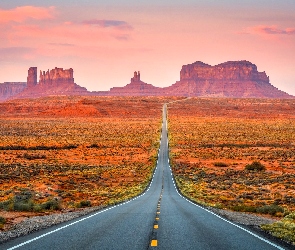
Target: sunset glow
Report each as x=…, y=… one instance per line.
x=106, y=42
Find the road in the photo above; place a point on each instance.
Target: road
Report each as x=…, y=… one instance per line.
x=160, y=218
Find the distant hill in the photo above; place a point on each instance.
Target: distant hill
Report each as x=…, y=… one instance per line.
x=9, y=89
x=234, y=79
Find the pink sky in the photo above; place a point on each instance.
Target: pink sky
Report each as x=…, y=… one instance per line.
x=106, y=43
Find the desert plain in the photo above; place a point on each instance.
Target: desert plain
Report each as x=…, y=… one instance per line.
x=62, y=153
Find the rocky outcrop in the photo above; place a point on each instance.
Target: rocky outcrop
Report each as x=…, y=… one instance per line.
x=57, y=81
x=234, y=79
x=32, y=77
x=9, y=89
x=236, y=70
x=135, y=88
x=237, y=79
x=57, y=76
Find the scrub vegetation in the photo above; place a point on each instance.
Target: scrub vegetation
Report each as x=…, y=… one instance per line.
x=236, y=154
x=51, y=162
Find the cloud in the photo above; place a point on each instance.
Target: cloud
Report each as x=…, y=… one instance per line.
x=108, y=23
x=62, y=44
x=270, y=30
x=20, y=14
x=16, y=53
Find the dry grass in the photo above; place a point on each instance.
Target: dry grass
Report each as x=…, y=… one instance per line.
x=212, y=140
x=68, y=157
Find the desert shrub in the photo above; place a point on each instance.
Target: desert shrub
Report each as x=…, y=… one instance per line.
x=2, y=220
x=284, y=229
x=94, y=145
x=270, y=209
x=291, y=216
x=51, y=204
x=255, y=166
x=23, y=206
x=84, y=203
x=220, y=164
x=23, y=201
x=37, y=208
x=6, y=205
x=244, y=208
x=33, y=157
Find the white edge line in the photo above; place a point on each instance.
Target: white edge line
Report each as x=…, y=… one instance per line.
x=85, y=218
x=249, y=232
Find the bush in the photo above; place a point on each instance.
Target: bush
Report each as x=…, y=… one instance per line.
x=255, y=166
x=270, y=209
x=85, y=203
x=284, y=229
x=23, y=206
x=220, y=164
x=244, y=208
x=2, y=220
x=51, y=205
x=94, y=145
x=33, y=157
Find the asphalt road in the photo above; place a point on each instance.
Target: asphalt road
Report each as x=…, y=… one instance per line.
x=158, y=219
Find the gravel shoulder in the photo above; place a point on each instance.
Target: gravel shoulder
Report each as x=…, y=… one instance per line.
x=36, y=223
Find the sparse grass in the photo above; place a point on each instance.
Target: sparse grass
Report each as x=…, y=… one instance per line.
x=66, y=161
x=271, y=209
x=206, y=134
x=283, y=229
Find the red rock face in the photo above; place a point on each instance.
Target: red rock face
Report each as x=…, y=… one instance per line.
x=238, y=70
x=56, y=76
x=135, y=88
x=235, y=79
x=32, y=77
x=57, y=81
x=238, y=79
x=9, y=89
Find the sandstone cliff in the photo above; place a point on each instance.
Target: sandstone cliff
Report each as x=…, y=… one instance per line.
x=235, y=79
x=238, y=79
x=57, y=81
x=9, y=89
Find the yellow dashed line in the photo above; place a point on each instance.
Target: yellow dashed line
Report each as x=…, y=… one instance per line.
x=156, y=226
x=157, y=218
x=158, y=212
x=154, y=243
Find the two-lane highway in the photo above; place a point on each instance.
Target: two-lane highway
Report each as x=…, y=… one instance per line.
x=158, y=219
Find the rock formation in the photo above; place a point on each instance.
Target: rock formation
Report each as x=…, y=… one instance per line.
x=9, y=89
x=32, y=77
x=234, y=79
x=57, y=81
x=135, y=88
x=237, y=79
x=57, y=76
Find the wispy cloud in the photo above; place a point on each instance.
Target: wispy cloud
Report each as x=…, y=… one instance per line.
x=270, y=30
x=23, y=13
x=62, y=44
x=16, y=53
x=108, y=23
